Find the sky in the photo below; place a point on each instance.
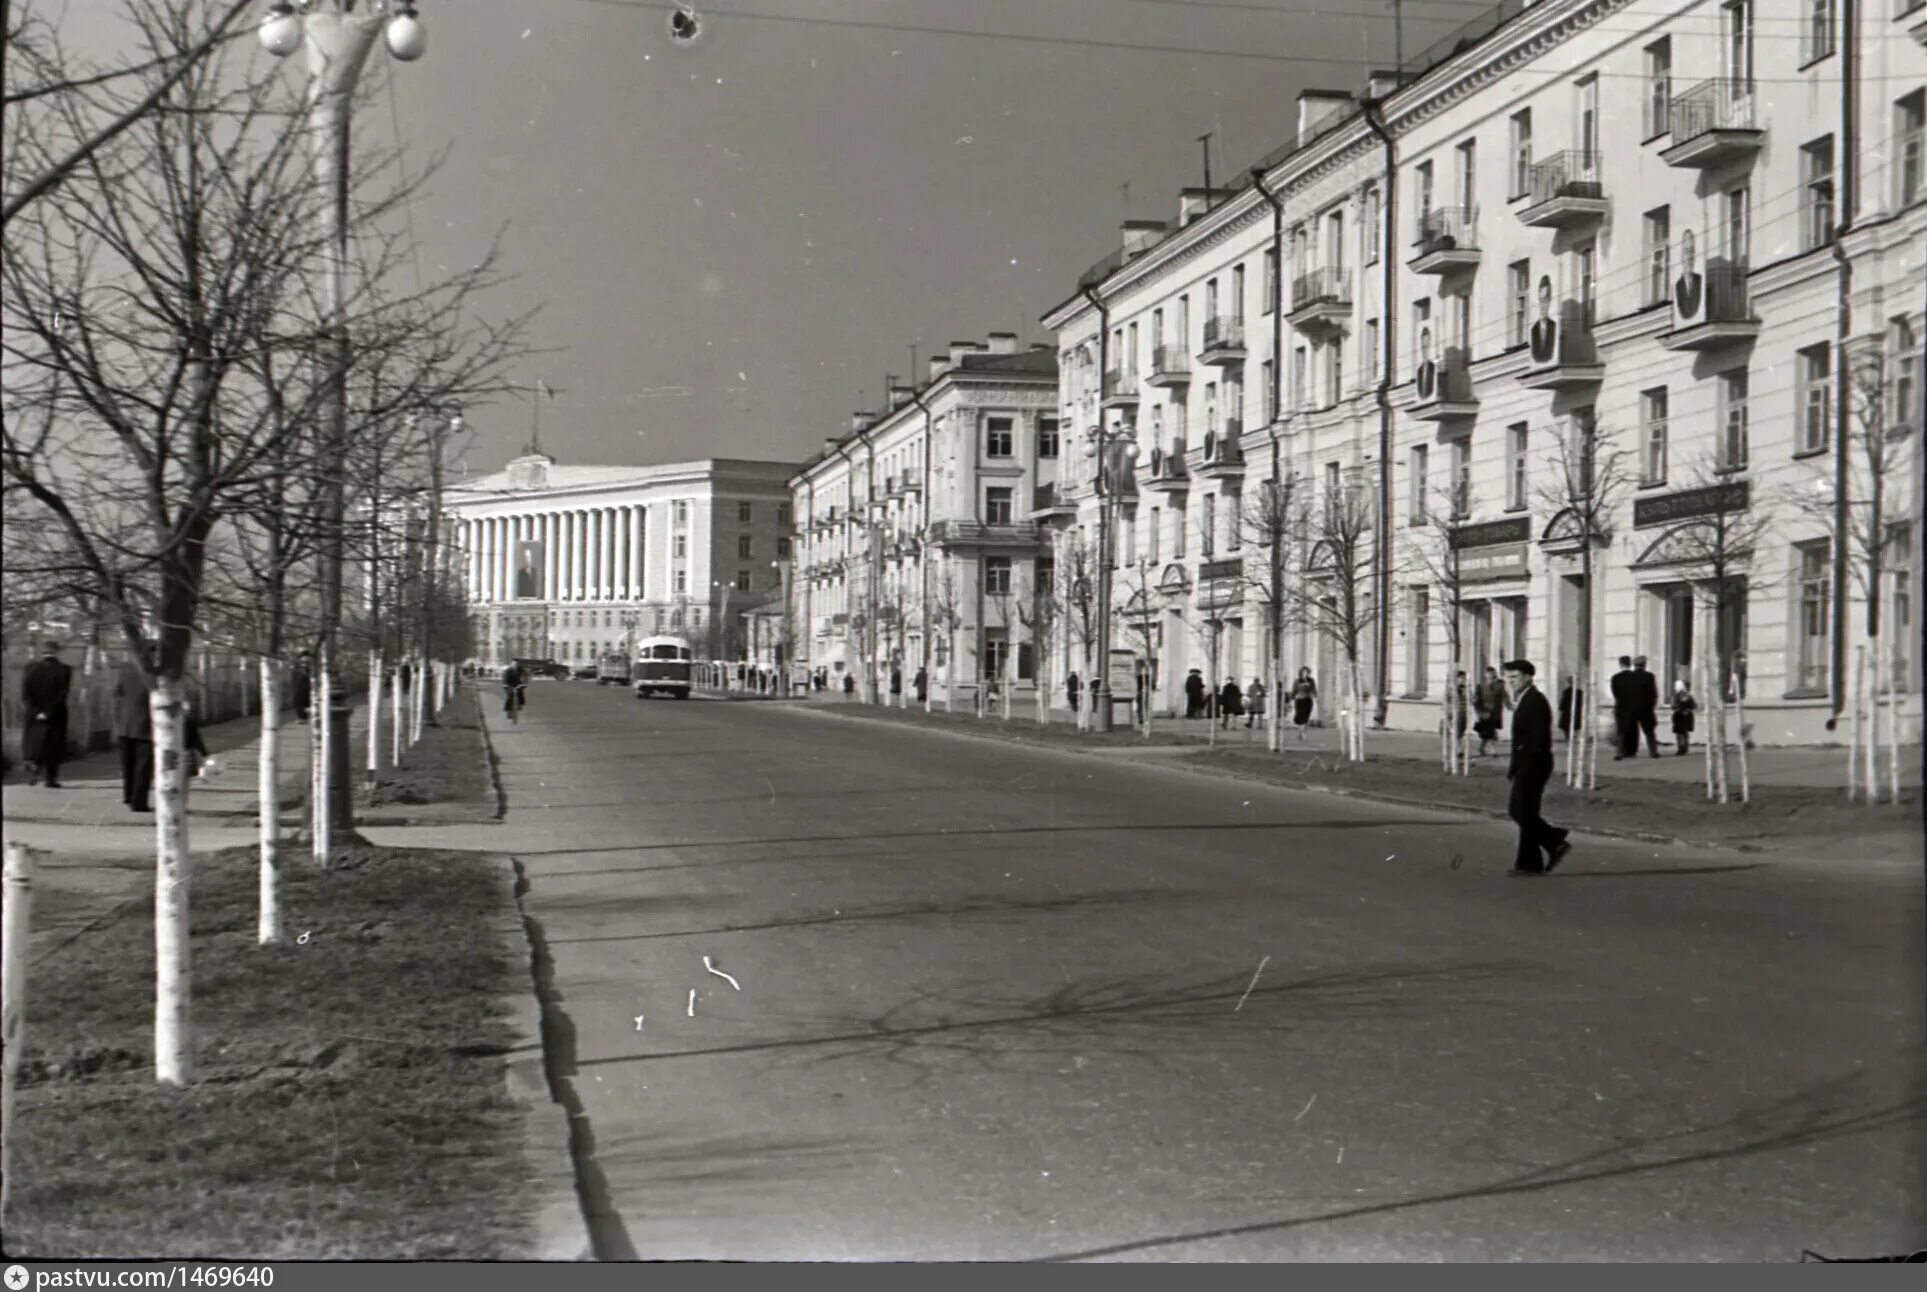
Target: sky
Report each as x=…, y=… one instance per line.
x=733, y=240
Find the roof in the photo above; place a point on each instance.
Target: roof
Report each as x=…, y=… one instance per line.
x=561, y=477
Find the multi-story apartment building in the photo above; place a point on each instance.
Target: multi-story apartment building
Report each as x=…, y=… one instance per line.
x=567, y=562
x=1585, y=346
x=916, y=547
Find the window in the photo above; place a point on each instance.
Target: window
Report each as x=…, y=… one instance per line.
x=1271, y=279
x=1131, y=352
x=1130, y=541
x=1419, y=643
x=999, y=441
x=679, y=512
x=1659, y=87
x=1417, y=474
x=1734, y=234
x=1371, y=350
x=1421, y=198
x=1515, y=475
x=1910, y=135
x=1903, y=377
x=745, y=512
x=1519, y=290
x=742, y=580
x=1816, y=177
x=1270, y=370
x=997, y=506
x=1738, y=16
x=1208, y=527
x=1335, y=240
x=1234, y=518
x=1732, y=449
x=1659, y=232
x=1898, y=564
x=1586, y=257
x=1157, y=331
x=1331, y=483
x=1336, y=390
x=1816, y=32
x=1373, y=235
x=682, y=546
x=1210, y=406
x=745, y=547
x=1815, y=615
x=1237, y=293
x=1462, y=324
x=1652, y=436
x=1421, y=330
x=1211, y=299
x=783, y=548
x=1468, y=156
x=1298, y=365
x=1046, y=437
x=1814, y=368
x=682, y=580
x=1461, y=478
x=1183, y=332
x=783, y=514
x=1521, y=153
x=1151, y=544
x=1587, y=90
x=997, y=574
x=1177, y=529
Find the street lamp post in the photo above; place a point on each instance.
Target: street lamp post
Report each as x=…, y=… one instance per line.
x=338, y=36
x=448, y=423
x=1114, y=450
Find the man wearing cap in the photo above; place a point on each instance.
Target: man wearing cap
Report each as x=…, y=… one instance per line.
x=1645, y=688
x=43, y=689
x=1541, y=846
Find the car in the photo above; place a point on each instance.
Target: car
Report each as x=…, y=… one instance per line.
x=583, y=672
x=535, y=668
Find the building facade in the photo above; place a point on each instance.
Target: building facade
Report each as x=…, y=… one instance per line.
x=567, y=562
x=916, y=546
x=1566, y=354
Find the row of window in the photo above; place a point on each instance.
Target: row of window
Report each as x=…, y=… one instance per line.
x=1000, y=437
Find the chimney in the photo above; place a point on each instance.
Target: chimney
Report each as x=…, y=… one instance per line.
x=1315, y=107
x=958, y=349
x=1381, y=84
x=859, y=423
x=1003, y=343
x=1194, y=202
x=1141, y=235
x=899, y=396
x=829, y=446
x=939, y=364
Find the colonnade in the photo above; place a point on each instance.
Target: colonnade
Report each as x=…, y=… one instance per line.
x=584, y=554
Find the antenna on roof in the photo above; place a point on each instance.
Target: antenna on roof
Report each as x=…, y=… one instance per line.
x=538, y=390
x=1205, y=139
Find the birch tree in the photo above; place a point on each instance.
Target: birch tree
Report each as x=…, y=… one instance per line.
x=1437, y=557
x=1334, y=595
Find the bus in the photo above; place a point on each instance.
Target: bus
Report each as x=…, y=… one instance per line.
x=662, y=664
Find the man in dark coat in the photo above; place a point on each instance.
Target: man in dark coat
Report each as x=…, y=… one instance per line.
x=133, y=727
x=1541, y=846
x=1625, y=710
x=1194, y=694
x=44, y=690
x=1070, y=689
x=1646, y=711
x=923, y=684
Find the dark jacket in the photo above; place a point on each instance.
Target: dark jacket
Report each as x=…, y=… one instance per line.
x=132, y=720
x=1645, y=692
x=44, y=688
x=1683, y=707
x=1624, y=698
x=1531, y=735
x=1231, y=700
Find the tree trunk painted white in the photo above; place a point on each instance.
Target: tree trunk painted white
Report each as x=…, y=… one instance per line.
x=398, y=716
x=173, y=1032
x=269, y=790
x=1043, y=688
x=324, y=740
x=18, y=904
x=1853, y=759
x=1722, y=771
x=374, y=717
x=1893, y=727
x=1706, y=741
x=1739, y=728
x=1009, y=681
x=1871, y=763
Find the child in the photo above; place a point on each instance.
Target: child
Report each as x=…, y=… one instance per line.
x=1683, y=707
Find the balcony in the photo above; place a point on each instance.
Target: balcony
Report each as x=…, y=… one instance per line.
x=1221, y=456
x=1165, y=470
x=1711, y=310
x=1224, y=341
x=976, y=534
x=1120, y=389
x=1564, y=189
x=1442, y=391
x=1712, y=124
x=1562, y=355
x=1448, y=241
x=1048, y=500
x=1321, y=302
x=1170, y=366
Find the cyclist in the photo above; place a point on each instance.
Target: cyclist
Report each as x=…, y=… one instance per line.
x=514, y=694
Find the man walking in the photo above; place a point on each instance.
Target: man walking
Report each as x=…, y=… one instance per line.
x=1071, y=685
x=1531, y=768
x=1646, y=697
x=44, y=689
x=1625, y=710
x=133, y=727
x=1490, y=701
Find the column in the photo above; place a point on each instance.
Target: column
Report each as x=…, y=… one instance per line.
x=608, y=553
x=579, y=551
x=637, y=586
x=488, y=559
x=548, y=556
x=505, y=560
x=564, y=563
x=624, y=570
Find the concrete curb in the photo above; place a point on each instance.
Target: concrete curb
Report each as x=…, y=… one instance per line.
x=1226, y=773
x=548, y=1136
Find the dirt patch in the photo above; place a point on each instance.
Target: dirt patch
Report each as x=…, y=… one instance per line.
x=449, y=765
x=350, y=1099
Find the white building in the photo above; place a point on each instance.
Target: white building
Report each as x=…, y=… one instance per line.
x=917, y=548
x=1542, y=236
x=564, y=562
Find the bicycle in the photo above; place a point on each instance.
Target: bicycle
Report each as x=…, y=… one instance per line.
x=514, y=701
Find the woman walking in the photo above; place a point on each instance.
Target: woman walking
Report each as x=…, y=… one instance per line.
x=1231, y=703
x=1683, y=706
x=1254, y=702
x=1304, y=692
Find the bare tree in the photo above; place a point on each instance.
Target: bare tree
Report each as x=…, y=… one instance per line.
x=1265, y=520
x=946, y=615
x=1133, y=619
x=1076, y=593
x=1437, y=557
x=1041, y=616
x=1334, y=595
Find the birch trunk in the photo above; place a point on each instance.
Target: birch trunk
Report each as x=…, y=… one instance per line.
x=1707, y=740
x=18, y=907
x=1722, y=769
x=1871, y=763
x=173, y=1037
x=319, y=716
x=1043, y=689
x=1853, y=757
x=269, y=787
x=397, y=717
x=374, y=716
x=1739, y=724
x=1893, y=728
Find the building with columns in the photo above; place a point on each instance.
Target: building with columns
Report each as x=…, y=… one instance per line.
x=566, y=562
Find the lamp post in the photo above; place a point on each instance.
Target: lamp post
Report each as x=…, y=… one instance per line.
x=1114, y=450
x=448, y=422
x=338, y=36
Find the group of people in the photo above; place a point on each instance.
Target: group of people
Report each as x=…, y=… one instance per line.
x=1229, y=701
x=1636, y=710
x=45, y=689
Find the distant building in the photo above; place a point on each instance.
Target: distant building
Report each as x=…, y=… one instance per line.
x=567, y=562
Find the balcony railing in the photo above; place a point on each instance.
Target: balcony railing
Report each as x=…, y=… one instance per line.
x=1449, y=228
x=1225, y=332
x=1321, y=287
x=1719, y=104
x=1726, y=299
x=1451, y=380
x=1573, y=173
x=1120, y=383
x=1169, y=361
x=1043, y=497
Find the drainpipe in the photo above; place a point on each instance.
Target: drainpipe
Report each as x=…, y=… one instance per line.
x=1101, y=683
x=1843, y=407
x=1277, y=412
x=809, y=601
x=1388, y=211
x=923, y=551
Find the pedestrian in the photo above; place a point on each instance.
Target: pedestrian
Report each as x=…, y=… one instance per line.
x=301, y=691
x=134, y=729
x=1625, y=711
x=923, y=685
x=44, y=688
x=1194, y=694
x=1684, y=706
x=896, y=682
x=1070, y=689
x=849, y=685
x=1304, y=692
x=1490, y=702
x=514, y=688
x=1541, y=846
x=1461, y=705
x=1646, y=706
x=1571, y=701
x=1231, y=703
x=1254, y=702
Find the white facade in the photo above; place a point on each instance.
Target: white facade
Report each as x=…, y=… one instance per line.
x=1682, y=226
x=564, y=562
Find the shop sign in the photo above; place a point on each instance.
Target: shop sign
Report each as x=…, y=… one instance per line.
x=1514, y=529
x=1687, y=504
x=1504, y=561
x=1123, y=679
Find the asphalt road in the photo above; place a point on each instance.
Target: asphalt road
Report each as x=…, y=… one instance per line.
x=1003, y=1003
